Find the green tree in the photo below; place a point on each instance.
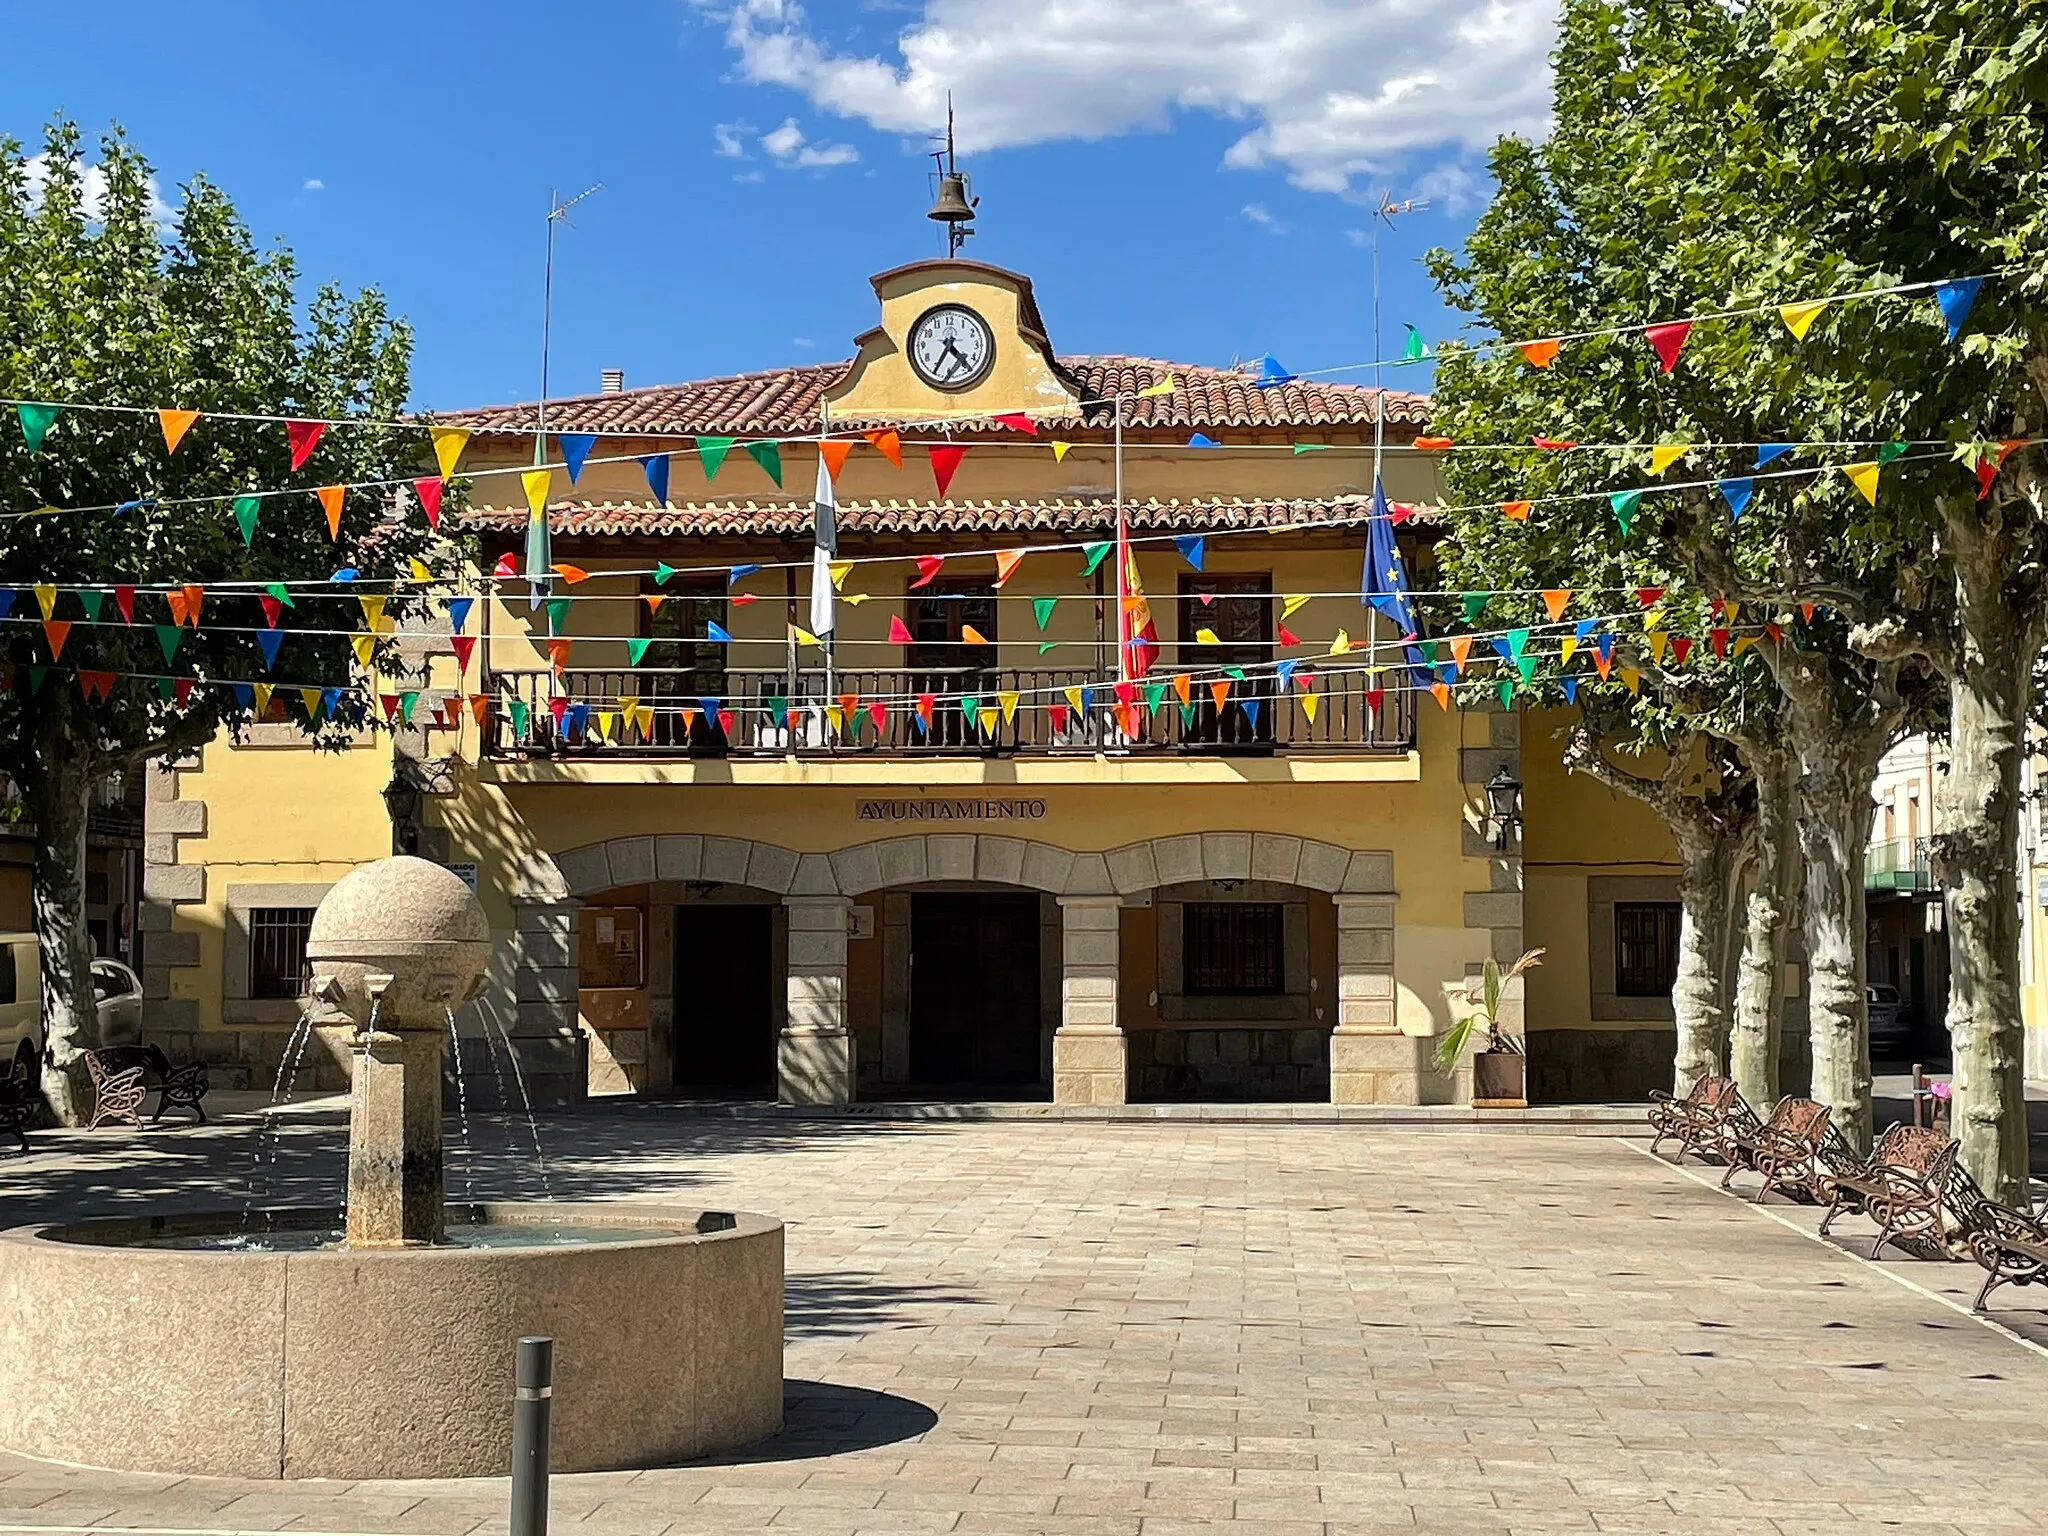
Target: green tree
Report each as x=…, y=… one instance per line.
x=102, y=304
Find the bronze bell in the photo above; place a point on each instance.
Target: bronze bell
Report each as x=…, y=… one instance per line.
x=952, y=206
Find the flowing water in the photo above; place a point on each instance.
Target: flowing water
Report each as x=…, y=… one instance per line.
x=271, y=1131
x=461, y=1108
x=540, y=1159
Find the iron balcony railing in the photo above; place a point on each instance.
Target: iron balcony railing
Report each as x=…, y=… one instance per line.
x=559, y=715
x=1898, y=865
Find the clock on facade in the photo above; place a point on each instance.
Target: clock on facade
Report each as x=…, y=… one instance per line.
x=951, y=347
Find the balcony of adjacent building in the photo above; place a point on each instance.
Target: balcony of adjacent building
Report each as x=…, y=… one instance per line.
x=1898, y=864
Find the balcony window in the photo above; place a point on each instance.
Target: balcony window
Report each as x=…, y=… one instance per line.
x=1645, y=947
x=942, y=658
x=682, y=664
x=1238, y=611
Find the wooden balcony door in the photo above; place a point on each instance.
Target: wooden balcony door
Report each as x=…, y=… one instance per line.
x=944, y=661
x=683, y=665
x=1238, y=611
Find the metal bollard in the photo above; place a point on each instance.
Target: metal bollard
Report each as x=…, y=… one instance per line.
x=530, y=1403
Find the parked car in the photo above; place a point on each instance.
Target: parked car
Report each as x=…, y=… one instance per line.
x=1891, y=1025
x=115, y=988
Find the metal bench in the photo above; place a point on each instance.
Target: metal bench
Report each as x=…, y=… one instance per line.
x=117, y=1092
x=1902, y=1187
x=177, y=1087
x=1783, y=1149
x=20, y=1097
x=1699, y=1121
x=2011, y=1245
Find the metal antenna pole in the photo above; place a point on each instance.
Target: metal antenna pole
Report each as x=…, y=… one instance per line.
x=557, y=214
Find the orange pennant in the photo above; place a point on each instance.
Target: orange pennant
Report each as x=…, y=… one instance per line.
x=558, y=653
x=56, y=631
x=1541, y=354
x=1220, y=691
x=1461, y=648
x=887, y=444
x=1183, y=685
x=570, y=574
x=834, y=454
x=195, y=598
x=972, y=636
x=175, y=425
x=1441, y=692
x=1516, y=511
x=1555, y=598
x=331, y=498
x=480, y=708
x=654, y=600
x=175, y=600
x=1007, y=562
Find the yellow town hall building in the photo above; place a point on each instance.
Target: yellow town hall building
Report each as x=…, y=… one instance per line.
x=779, y=874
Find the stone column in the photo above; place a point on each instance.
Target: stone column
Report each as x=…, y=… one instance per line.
x=1498, y=909
x=1371, y=1061
x=814, y=1057
x=543, y=1036
x=1088, y=1053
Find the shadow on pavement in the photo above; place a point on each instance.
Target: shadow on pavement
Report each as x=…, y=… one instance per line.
x=820, y=1418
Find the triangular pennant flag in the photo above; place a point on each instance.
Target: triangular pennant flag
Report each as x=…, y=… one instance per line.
x=1164, y=386
x=1287, y=637
x=174, y=425
x=303, y=437
x=1341, y=645
x=1864, y=478
x=1057, y=714
x=1555, y=599
x=311, y=700
x=655, y=467
x=427, y=491
x=739, y=573
x=407, y=703
x=1648, y=597
x=969, y=635
x=1736, y=492
x=1767, y=452
x=458, y=612
x=834, y=452
x=1517, y=642
x=1094, y=555
x=506, y=568
x=35, y=423
x=575, y=448
x=1506, y=690
x=1571, y=689
x=175, y=601
x=1060, y=452
x=1271, y=374
x=536, y=482
x=804, y=636
x=46, y=597
x=331, y=497
x=1718, y=639
x=124, y=599
x=1540, y=354
x=1555, y=444
x=1516, y=511
x=1191, y=547
x=946, y=459
x=1183, y=685
x=448, y=445
x=1632, y=680
x=636, y=649
x=1311, y=701
x=373, y=612
x=1681, y=647
x=1799, y=318
x=1526, y=665
x=1475, y=604
x=899, y=632
x=558, y=613
x=1074, y=698
x=1283, y=674
x=987, y=716
x=1461, y=651
x=1955, y=298
x=1667, y=340
x=887, y=444
x=1301, y=448
x=1565, y=649
x=1664, y=455
x=365, y=647
x=56, y=631
x=1441, y=692
x=520, y=713
x=1289, y=606
x=769, y=456
x=1007, y=561
x=1416, y=350
x=1888, y=453
x=100, y=684
x=558, y=652
x=1041, y=609
x=168, y=638
x=1219, y=690
x=711, y=452
x=1016, y=421
x=927, y=567
x=1733, y=610
x=970, y=707
x=1203, y=440
x=1625, y=504
x=269, y=641
x=1008, y=701
x=1206, y=637
x=1659, y=643
x=570, y=574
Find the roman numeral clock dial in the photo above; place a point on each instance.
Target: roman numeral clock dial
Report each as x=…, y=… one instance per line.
x=951, y=347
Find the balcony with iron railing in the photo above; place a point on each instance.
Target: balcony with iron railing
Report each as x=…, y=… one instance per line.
x=1900, y=864
x=740, y=714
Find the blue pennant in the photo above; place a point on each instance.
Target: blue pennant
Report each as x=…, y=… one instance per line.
x=1271, y=374
x=345, y=575
x=579, y=719
x=1736, y=493
x=656, y=467
x=1500, y=644
x=7, y=596
x=269, y=640
x=1766, y=452
x=1251, y=710
x=576, y=448
x=1203, y=440
x=739, y=573
x=1087, y=701
x=1955, y=298
x=458, y=612
x=245, y=696
x=1571, y=690
x=1284, y=671
x=1190, y=546
x=146, y=504
x=716, y=631
x=1584, y=628
x=331, y=698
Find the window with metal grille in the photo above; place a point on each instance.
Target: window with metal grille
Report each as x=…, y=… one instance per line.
x=1233, y=948
x=1645, y=947
x=277, y=950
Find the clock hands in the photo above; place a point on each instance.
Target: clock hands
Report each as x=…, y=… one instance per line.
x=958, y=355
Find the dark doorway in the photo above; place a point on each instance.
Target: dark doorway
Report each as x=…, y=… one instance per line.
x=974, y=1020
x=725, y=1001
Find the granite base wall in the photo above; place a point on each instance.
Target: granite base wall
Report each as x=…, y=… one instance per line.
x=1229, y=1064
x=1606, y=1066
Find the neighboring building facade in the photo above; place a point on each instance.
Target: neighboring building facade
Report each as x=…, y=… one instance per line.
x=1273, y=894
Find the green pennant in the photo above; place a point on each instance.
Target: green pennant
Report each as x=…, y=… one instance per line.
x=1154, y=692
x=246, y=508
x=636, y=651
x=1526, y=665
x=1313, y=447
x=406, y=701
x=168, y=636
x=971, y=708
x=1236, y=672
x=769, y=457
x=166, y=689
x=1890, y=451
x=1047, y=645
x=1417, y=349
x=91, y=601
x=778, y=709
x=1625, y=504
x=35, y=423
x=278, y=590
x=1427, y=650
x=558, y=613
x=662, y=572
x=1475, y=604
x=1518, y=641
x=1094, y=555
x=1043, y=607
x=520, y=713
x=36, y=675
x=712, y=450
x=1507, y=693
x=1187, y=717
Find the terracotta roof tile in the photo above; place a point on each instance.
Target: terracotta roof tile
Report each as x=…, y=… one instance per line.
x=788, y=400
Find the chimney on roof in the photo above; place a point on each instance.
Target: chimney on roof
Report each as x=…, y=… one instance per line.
x=612, y=381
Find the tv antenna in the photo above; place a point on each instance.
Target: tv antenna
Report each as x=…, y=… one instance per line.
x=953, y=206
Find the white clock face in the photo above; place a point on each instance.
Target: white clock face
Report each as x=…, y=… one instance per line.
x=951, y=347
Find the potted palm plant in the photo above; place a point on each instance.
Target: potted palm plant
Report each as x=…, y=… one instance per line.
x=1500, y=1067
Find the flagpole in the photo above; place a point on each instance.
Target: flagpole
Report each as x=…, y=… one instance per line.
x=831, y=636
x=1122, y=548
x=537, y=549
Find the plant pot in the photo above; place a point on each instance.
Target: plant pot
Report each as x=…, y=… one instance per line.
x=1499, y=1080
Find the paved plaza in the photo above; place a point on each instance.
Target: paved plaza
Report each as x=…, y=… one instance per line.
x=1142, y=1330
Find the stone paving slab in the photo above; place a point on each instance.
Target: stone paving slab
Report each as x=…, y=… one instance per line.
x=1184, y=1327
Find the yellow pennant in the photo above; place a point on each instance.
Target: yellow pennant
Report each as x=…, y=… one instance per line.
x=1310, y=703
x=1654, y=619
x=1632, y=679
x=420, y=571
x=606, y=721
x=1289, y=605
x=1164, y=387
x=1799, y=318
x=988, y=720
x=628, y=704
x=1059, y=452
x=1659, y=641
x=365, y=647
x=643, y=717
x=1342, y=644
x=46, y=597
x=855, y=599
x=839, y=573
x=1733, y=610
x=311, y=698
x=804, y=636
x=1864, y=478
x=1206, y=637
x=373, y=612
x=1009, y=703
x=1565, y=648
x=262, y=692
x=448, y=445
x=536, y=482
x=1664, y=455
x=1743, y=643
x=836, y=718
x=1073, y=698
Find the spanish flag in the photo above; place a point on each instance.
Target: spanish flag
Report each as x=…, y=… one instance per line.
x=1137, y=637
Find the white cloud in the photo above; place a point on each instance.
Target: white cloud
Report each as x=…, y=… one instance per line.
x=1260, y=215
x=1451, y=187
x=92, y=195
x=729, y=139
x=314, y=184
x=1331, y=91
x=804, y=342
x=788, y=148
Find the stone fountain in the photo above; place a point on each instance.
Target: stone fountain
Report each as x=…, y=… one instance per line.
x=266, y=1343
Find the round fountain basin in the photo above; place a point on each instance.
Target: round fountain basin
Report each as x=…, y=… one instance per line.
x=220, y=1345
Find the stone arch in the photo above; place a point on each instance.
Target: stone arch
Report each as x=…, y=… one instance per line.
x=981, y=857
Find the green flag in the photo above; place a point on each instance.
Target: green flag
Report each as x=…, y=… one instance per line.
x=1047, y=645
x=246, y=508
x=1518, y=641
x=769, y=457
x=1889, y=452
x=1507, y=693
x=168, y=636
x=1417, y=349
x=278, y=590
x=91, y=601
x=1154, y=692
x=662, y=572
x=405, y=703
x=636, y=651
x=36, y=675
x=1526, y=665
x=558, y=613
x=1312, y=447
x=1475, y=604
x=971, y=708
x=1042, y=607
x=520, y=712
x=35, y=423
x=1095, y=554
x=1625, y=504
x=712, y=450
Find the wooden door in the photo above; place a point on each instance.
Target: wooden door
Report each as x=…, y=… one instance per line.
x=724, y=1032
x=974, y=1019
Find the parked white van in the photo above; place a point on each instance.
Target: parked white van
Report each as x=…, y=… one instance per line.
x=114, y=987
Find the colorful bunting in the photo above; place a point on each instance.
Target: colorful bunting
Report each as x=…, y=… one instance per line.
x=1664, y=455
x=303, y=437
x=56, y=631
x=427, y=491
x=1287, y=637
x=174, y=425
x=331, y=498
x=1060, y=452
x=899, y=632
x=46, y=597
x=945, y=460
x=35, y=424
x=834, y=453
x=448, y=445
x=1555, y=599
x=655, y=467
x=887, y=444
x=1681, y=647
x=1093, y=555
x=269, y=641
x=711, y=452
x=1516, y=511
x=927, y=567
x=713, y=630
x=1955, y=298
x=1736, y=492
x=536, y=483
x=1625, y=504
x=576, y=448
x=969, y=635
x=1667, y=341
x=769, y=456
x=1799, y=318
x=636, y=649
x=124, y=599
x=464, y=646
x=1864, y=478
x=570, y=574
x=1007, y=561
x=1541, y=354
x=365, y=647
x=1041, y=609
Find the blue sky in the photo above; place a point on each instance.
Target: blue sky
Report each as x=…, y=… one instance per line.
x=759, y=161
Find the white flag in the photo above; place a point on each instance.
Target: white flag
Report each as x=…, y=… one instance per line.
x=825, y=518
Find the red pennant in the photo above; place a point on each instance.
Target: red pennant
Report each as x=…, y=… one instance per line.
x=273, y=610
x=388, y=702
x=1057, y=713
x=124, y=599
x=899, y=632
x=463, y=646
x=558, y=706
x=1288, y=638
x=1806, y=611
x=1305, y=680
x=925, y=701
x=725, y=718
x=1776, y=632
x=181, y=691
x=56, y=631
x=927, y=567
x=100, y=683
x=428, y=489
x=741, y=599
x=1667, y=340
x=1556, y=444
x=1127, y=693
x=878, y=711
x=946, y=459
x=1681, y=647
x=1374, y=698
x=304, y=437
x=506, y=568
x=1399, y=513
x=1716, y=607
x=1718, y=638
x=849, y=710
x=1648, y=596
x=1017, y=421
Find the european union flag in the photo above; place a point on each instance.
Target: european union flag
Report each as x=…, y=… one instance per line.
x=1385, y=582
